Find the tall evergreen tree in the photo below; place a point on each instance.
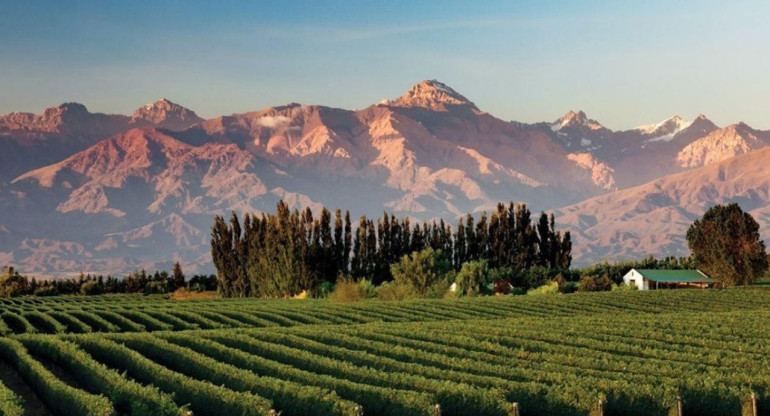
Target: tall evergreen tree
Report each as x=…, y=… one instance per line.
x=358, y=264
x=371, y=253
x=347, y=245
x=326, y=261
x=471, y=244
x=338, y=257
x=460, y=251
x=545, y=242
x=177, y=277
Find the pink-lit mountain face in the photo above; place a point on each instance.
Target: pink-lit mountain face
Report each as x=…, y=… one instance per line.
x=111, y=193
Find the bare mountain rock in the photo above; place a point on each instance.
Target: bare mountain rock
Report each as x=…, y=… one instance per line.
x=165, y=114
x=653, y=218
x=722, y=144
x=432, y=94
x=30, y=141
x=109, y=193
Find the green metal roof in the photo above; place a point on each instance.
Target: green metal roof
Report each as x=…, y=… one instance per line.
x=675, y=276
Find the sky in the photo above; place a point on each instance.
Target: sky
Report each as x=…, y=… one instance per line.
x=624, y=63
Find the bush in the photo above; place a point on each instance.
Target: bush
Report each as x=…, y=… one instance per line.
x=564, y=285
x=156, y=287
x=396, y=291
x=624, y=288
x=595, y=284
x=440, y=289
x=569, y=287
x=547, y=289
x=91, y=287
x=47, y=290
x=202, y=283
x=325, y=288
x=348, y=290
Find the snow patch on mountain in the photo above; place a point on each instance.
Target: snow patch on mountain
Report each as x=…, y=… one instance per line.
x=665, y=130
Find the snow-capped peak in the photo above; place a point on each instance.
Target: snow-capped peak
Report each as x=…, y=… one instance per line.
x=575, y=119
x=665, y=130
x=431, y=94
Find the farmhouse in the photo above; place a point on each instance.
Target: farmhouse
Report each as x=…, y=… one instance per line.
x=646, y=279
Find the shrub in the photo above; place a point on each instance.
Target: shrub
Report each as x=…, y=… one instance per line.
x=156, y=287
x=624, y=288
x=595, y=284
x=564, y=285
x=547, y=289
x=325, y=288
x=396, y=291
x=569, y=287
x=202, y=283
x=91, y=287
x=348, y=290
x=440, y=289
x=367, y=288
x=47, y=290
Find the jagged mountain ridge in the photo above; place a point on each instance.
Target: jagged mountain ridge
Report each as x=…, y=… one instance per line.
x=145, y=196
x=31, y=141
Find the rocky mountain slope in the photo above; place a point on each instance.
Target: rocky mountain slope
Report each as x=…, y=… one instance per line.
x=30, y=140
x=653, y=218
x=110, y=193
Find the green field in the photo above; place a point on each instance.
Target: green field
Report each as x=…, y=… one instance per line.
x=639, y=353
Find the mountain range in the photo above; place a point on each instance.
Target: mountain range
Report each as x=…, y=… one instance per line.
x=99, y=193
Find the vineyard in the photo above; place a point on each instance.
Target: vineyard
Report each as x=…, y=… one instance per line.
x=613, y=353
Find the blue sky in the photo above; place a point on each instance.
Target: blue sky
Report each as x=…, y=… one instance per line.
x=624, y=63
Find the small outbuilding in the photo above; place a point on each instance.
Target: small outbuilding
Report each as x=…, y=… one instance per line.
x=646, y=279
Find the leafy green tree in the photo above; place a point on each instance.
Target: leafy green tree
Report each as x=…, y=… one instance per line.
x=472, y=277
x=726, y=245
x=13, y=284
x=421, y=269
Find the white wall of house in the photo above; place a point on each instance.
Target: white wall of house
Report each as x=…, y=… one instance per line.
x=635, y=278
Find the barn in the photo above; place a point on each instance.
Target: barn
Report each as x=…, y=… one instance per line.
x=646, y=279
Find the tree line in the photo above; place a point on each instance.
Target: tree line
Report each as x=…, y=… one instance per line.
x=285, y=253
x=13, y=284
